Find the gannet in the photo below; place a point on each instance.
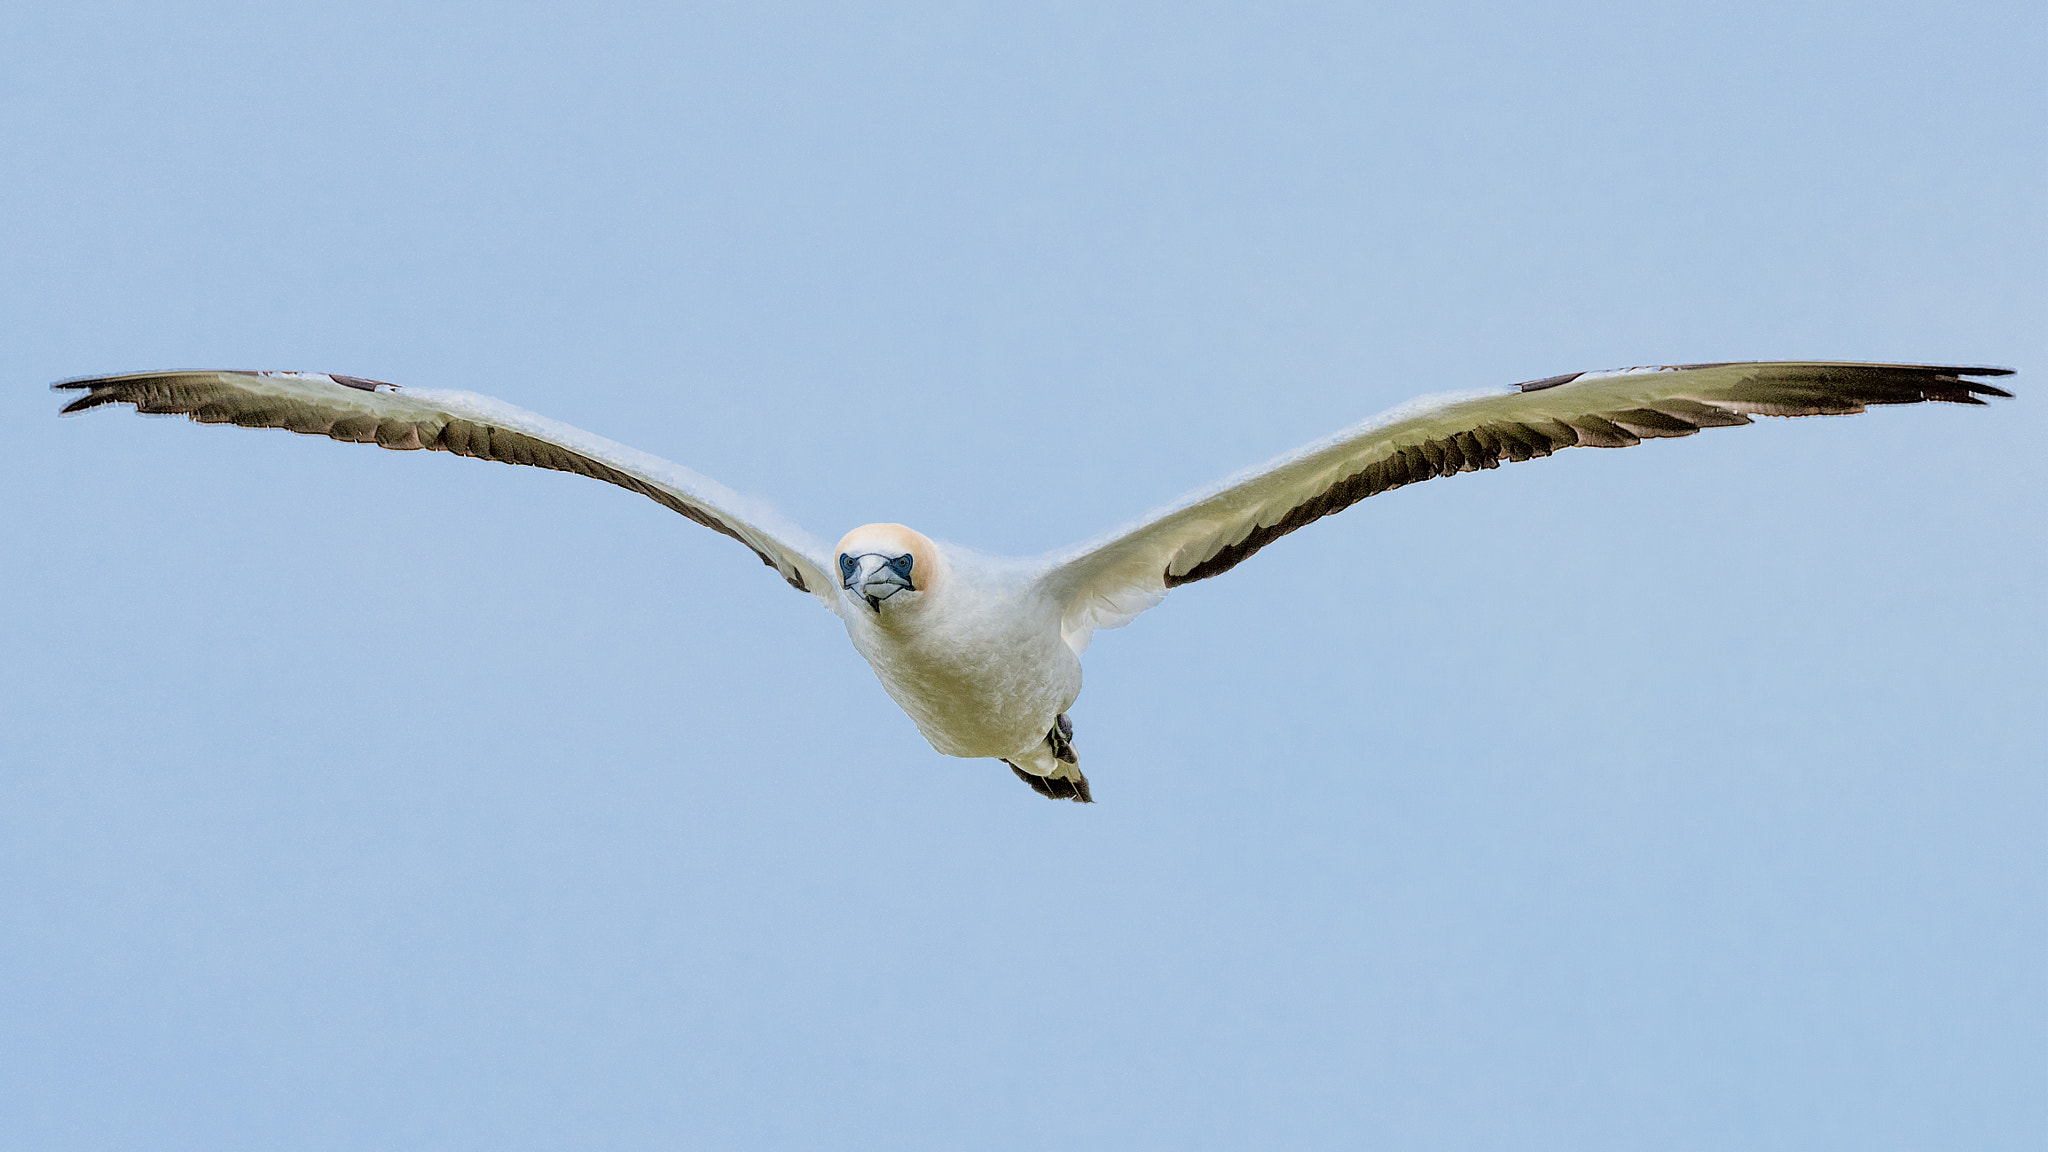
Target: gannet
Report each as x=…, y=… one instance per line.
x=984, y=653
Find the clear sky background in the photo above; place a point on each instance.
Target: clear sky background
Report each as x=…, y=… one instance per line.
x=1686, y=797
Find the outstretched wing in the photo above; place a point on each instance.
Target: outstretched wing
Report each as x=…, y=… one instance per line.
x=1106, y=582
x=373, y=412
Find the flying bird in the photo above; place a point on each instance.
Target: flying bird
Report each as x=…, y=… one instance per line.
x=983, y=652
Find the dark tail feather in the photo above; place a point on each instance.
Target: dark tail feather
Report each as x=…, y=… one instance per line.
x=1065, y=781
x=1057, y=787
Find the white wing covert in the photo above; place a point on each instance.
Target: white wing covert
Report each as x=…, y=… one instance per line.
x=1106, y=582
x=353, y=409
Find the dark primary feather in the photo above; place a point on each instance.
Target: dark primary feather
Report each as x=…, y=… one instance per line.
x=1772, y=389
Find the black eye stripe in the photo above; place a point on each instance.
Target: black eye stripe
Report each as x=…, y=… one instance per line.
x=849, y=564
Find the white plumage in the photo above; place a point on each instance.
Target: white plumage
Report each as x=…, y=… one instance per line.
x=982, y=652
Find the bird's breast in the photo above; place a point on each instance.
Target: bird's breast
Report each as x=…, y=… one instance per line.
x=977, y=683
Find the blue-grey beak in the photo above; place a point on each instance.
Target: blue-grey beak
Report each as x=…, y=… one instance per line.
x=875, y=577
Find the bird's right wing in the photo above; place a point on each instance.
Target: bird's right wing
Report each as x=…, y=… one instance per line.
x=1106, y=582
x=372, y=412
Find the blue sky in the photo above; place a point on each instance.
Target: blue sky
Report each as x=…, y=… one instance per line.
x=1684, y=797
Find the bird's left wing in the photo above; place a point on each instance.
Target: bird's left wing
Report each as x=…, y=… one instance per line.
x=372, y=412
x=1106, y=582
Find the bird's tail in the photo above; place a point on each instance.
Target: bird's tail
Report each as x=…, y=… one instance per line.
x=1060, y=777
x=1066, y=783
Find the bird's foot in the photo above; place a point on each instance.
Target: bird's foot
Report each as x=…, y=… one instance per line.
x=1065, y=781
x=1062, y=740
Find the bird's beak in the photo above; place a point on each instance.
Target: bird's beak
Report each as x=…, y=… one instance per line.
x=874, y=581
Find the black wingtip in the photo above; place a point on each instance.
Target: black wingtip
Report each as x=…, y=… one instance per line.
x=82, y=383
x=92, y=386
x=89, y=385
x=119, y=388
x=1978, y=388
x=1548, y=382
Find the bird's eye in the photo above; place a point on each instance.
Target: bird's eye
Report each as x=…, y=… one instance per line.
x=845, y=564
x=901, y=564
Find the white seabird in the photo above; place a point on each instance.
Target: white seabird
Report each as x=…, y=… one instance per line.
x=983, y=653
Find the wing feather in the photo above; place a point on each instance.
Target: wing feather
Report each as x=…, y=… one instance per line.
x=352, y=409
x=1106, y=582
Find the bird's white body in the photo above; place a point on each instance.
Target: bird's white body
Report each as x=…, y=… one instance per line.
x=977, y=661
x=984, y=653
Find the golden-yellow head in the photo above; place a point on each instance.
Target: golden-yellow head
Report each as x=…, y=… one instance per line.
x=888, y=564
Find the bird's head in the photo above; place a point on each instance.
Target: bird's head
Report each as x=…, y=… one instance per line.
x=887, y=567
